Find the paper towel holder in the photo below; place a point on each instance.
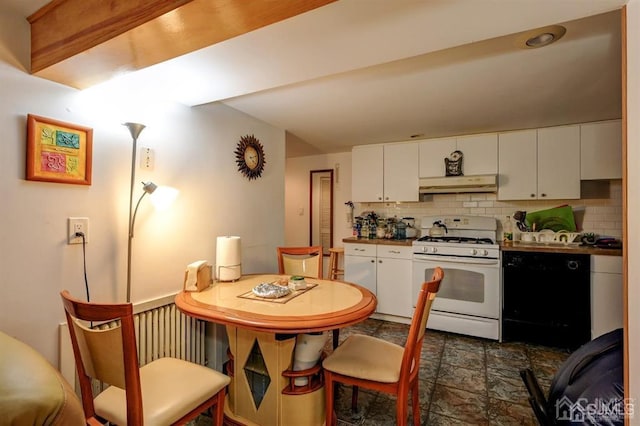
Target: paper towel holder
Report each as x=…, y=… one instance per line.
x=221, y=267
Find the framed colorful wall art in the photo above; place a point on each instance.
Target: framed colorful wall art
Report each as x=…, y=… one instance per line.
x=58, y=152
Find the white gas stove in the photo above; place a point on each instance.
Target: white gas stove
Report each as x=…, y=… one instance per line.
x=465, y=248
x=465, y=236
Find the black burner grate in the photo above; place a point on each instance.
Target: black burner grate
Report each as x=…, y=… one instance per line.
x=461, y=240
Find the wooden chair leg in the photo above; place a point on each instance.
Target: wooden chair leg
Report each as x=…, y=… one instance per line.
x=219, y=413
x=336, y=337
x=354, y=399
x=401, y=409
x=415, y=402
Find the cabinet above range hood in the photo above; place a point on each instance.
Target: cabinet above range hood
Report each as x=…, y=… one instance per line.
x=458, y=184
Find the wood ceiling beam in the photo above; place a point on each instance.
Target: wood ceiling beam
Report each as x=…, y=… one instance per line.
x=80, y=43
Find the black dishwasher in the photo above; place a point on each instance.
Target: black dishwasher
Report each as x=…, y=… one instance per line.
x=546, y=298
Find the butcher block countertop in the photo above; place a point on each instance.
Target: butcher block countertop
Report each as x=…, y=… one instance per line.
x=384, y=241
x=558, y=248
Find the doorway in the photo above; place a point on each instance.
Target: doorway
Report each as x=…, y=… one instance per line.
x=321, y=209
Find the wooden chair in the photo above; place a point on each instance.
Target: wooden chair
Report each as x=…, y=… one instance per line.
x=369, y=362
x=305, y=261
x=165, y=391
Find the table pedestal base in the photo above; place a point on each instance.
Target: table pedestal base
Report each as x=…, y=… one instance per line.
x=255, y=393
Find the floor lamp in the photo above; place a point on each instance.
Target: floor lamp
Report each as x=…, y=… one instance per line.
x=135, y=129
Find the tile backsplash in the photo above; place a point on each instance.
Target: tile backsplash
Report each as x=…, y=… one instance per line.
x=599, y=211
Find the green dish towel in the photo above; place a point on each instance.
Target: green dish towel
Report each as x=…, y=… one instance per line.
x=557, y=219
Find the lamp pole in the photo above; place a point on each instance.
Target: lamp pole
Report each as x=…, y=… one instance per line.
x=135, y=129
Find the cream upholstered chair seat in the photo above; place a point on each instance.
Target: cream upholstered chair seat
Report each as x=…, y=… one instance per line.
x=193, y=384
x=368, y=358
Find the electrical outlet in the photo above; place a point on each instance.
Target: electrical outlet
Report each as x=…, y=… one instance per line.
x=147, y=158
x=77, y=224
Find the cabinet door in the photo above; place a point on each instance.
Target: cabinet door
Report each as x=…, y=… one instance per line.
x=432, y=153
x=361, y=270
x=394, y=287
x=559, y=162
x=517, y=166
x=606, y=294
x=480, y=154
x=366, y=173
x=401, y=172
x=601, y=150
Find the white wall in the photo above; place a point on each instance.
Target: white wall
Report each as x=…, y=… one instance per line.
x=633, y=204
x=297, y=196
x=194, y=150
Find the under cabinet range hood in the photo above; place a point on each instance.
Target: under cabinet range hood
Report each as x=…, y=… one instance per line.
x=458, y=184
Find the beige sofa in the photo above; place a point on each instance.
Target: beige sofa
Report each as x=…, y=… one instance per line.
x=32, y=391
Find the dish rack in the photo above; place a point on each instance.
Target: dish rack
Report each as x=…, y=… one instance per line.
x=548, y=236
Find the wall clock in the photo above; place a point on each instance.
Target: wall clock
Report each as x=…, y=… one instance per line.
x=250, y=157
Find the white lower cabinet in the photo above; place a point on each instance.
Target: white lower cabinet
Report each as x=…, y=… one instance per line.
x=606, y=294
x=360, y=265
x=394, y=280
x=385, y=270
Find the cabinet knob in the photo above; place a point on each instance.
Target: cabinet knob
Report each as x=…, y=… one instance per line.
x=543, y=194
x=380, y=198
x=379, y=261
x=533, y=195
x=373, y=261
x=386, y=198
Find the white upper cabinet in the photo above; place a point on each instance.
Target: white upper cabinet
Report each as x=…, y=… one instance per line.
x=601, y=150
x=401, y=172
x=386, y=172
x=517, y=165
x=367, y=164
x=539, y=164
x=480, y=154
x=559, y=162
x=432, y=155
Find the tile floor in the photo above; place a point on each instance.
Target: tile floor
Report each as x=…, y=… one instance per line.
x=463, y=380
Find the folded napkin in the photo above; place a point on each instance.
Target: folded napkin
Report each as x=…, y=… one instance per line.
x=191, y=279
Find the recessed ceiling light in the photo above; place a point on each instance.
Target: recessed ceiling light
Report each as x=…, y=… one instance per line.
x=541, y=40
x=540, y=37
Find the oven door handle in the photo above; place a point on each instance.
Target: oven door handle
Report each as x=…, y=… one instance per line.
x=452, y=259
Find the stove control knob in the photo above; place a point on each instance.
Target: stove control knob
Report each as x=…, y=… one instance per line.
x=484, y=252
x=474, y=252
x=434, y=250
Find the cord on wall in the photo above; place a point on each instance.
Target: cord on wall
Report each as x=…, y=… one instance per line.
x=84, y=263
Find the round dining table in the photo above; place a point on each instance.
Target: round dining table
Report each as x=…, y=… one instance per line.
x=262, y=334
